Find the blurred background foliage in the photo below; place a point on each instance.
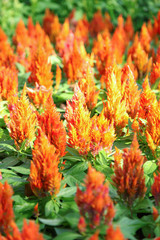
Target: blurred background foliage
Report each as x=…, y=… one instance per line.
x=11, y=11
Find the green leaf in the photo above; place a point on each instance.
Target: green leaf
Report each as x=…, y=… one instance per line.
x=21, y=170
x=50, y=208
x=7, y=147
x=72, y=151
x=9, y=161
x=149, y=167
x=73, y=180
x=72, y=219
x=68, y=236
x=78, y=168
x=51, y=222
x=67, y=192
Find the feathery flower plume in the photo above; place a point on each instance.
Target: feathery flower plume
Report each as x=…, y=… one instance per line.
x=128, y=27
x=44, y=173
x=114, y=234
x=155, y=189
x=52, y=126
x=94, y=202
x=129, y=178
x=23, y=121
x=58, y=77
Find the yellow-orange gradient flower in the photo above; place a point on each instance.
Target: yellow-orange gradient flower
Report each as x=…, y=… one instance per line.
x=40, y=69
x=129, y=178
x=52, y=126
x=44, y=173
x=128, y=27
x=94, y=202
x=114, y=234
x=39, y=95
x=58, y=77
x=8, y=83
x=6, y=208
x=23, y=120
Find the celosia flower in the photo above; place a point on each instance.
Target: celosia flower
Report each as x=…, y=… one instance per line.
x=155, y=213
x=6, y=208
x=94, y=202
x=40, y=69
x=78, y=123
x=58, y=77
x=31, y=231
x=129, y=178
x=8, y=83
x=155, y=73
x=82, y=29
x=155, y=189
x=112, y=234
x=44, y=173
x=7, y=56
x=82, y=224
x=97, y=24
x=145, y=38
x=128, y=27
x=39, y=95
x=52, y=126
x=23, y=121
x=94, y=236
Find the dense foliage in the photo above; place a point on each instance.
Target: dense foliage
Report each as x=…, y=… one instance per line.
x=79, y=120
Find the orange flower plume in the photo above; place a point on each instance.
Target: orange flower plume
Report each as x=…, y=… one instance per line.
x=58, y=77
x=97, y=24
x=6, y=209
x=94, y=202
x=52, y=126
x=40, y=69
x=23, y=121
x=8, y=83
x=128, y=27
x=129, y=178
x=44, y=173
x=39, y=95
x=87, y=134
x=112, y=234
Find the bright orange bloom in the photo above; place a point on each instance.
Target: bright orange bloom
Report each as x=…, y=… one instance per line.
x=155, y=213
x=78, y=123
x=97, y=24
x=128, y=27
x=94, y=236
x=51, y=25
x=36, y=211
x=8, y=83
x=115, y=108
x=44, y=173
x=82, y=224
x=52, y=126
x=87, y=86
x=82, y=29
x=155, y=189
x=119, y=40
x=40, y=69
x=94, y=203
x=7, y=56
x=145, y=38
x=39, y=95
x=155, y=73
x=3, y=36
x=129, y=178
x=23, y=121
x=112, y=234
x=58, y=77
x=6, y=208
x=31, y=231
x=132, y=67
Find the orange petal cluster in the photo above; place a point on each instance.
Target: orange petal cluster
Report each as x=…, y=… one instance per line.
x=155, y=189
x=44, y=173
x=23, y=120
x=129, y=177
x=94, y=203
x=114, y=234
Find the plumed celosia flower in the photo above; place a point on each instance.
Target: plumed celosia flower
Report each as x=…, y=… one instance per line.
x=58, y=77
x=8, y=83
x=132, y=67
x=115, y=108
x=119, y=40
x=145, y=38
x=39, y=95
x=87, y=134
x=114, y=234
x=155, y=73
x=102, y=134
x=52, y=126
x=44, y=176
x=31, y=231
x=51, y=25
x=40, y=69
x=3, y=36
x=129, y=177
x=23, y=120
x=128, y=27
x=94, y=202
x=78, y=123
x=94, y=236
x=87, y=86
x=82, y=225
x=155, y=213
x=82, y=29
x=6, y=208
x=155, y=189
x=97, y=24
